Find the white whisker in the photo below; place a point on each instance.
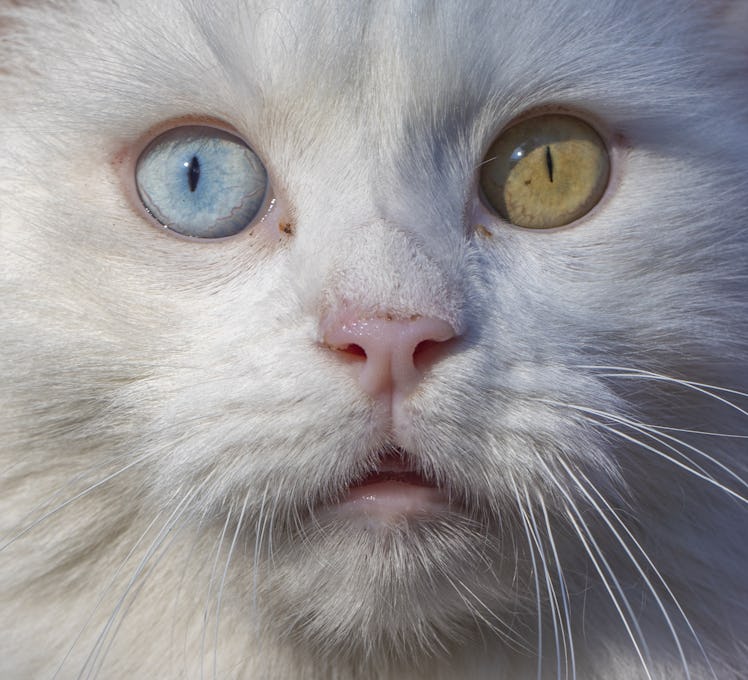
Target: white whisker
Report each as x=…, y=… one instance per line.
x=661, y=436
x=96, y=657
x=497, y=626
x=188, y=563
x=609, y=581
x=536, y=577
x=677, y=463
x=271, y=521
x=632, y=559
x=558, y=623
x=67, y=502
x=211, y=581
x=648, y=430
x=585, y=490
x=703, y=388
x=133, y=593
x=703, y=433
x=693, y=468
x=564, y=591
x=219, y=598
x=107, y=586
x=259, y=532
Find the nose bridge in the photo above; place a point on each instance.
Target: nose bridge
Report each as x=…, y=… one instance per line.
x=383, y=271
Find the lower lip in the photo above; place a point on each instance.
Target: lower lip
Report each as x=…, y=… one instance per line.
x=391, y=500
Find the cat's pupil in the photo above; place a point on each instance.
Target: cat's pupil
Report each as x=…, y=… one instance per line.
x=193, y=172
x=549, y=162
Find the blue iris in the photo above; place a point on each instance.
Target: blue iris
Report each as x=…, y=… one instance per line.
x=200, y=181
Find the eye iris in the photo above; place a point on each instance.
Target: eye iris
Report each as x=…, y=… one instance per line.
x=201, y=182
x=545, y=172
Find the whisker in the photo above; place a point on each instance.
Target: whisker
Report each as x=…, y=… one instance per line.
x=107, y=586
x=219, y=599
x=703, y=388
x=67, y=502
x=497, y=626
x=675, y=462
x=609, y=582
x=271, y=521
x=188, y=562
x=211, y=581
x=619, y=606
x=95, y=658
x=647, y=431
x=631, y=558
x=564, y=591
x=696, y=470
x=585, y=490
x=536, y=577
x=703, y=433
x=558, y=623
x=256, y=558
x=503, y=629
x=159, y=554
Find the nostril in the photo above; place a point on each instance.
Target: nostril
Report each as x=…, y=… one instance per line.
x=353, y=351
x=425, y=345
x=427, y=353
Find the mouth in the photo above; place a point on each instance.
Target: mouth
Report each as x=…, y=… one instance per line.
x=392, y=491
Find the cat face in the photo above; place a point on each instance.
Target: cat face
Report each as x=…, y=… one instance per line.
x=361, y=335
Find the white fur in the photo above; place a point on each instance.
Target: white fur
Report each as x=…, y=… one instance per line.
x=168, y=415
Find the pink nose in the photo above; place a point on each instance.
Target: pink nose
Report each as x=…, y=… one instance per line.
x=394, y=352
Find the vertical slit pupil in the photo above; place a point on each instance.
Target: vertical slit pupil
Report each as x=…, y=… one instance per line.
x=549, y=162
x=193, y=173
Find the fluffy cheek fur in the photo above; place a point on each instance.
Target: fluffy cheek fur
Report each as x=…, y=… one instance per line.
x=164, y=398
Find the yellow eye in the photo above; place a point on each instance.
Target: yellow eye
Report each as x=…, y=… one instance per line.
x=545, y=171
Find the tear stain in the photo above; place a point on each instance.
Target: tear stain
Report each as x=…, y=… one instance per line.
x=483, y=231
x=286, y=228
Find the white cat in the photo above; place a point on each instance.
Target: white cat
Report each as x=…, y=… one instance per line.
x=373, y=340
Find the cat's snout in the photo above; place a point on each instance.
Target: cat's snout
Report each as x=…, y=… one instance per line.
x=393, y=353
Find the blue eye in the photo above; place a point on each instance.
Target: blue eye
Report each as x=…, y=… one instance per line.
x=201, y=181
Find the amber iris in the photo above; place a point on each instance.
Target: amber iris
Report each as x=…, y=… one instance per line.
x=545, y=171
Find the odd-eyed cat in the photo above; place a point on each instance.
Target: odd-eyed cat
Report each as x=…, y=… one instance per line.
x=373, y=340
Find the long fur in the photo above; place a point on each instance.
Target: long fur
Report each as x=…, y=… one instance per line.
x=170, y=424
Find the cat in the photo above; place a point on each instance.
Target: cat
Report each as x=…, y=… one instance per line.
x=367, y=340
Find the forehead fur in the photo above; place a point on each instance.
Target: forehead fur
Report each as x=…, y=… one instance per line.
x=353, y=61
